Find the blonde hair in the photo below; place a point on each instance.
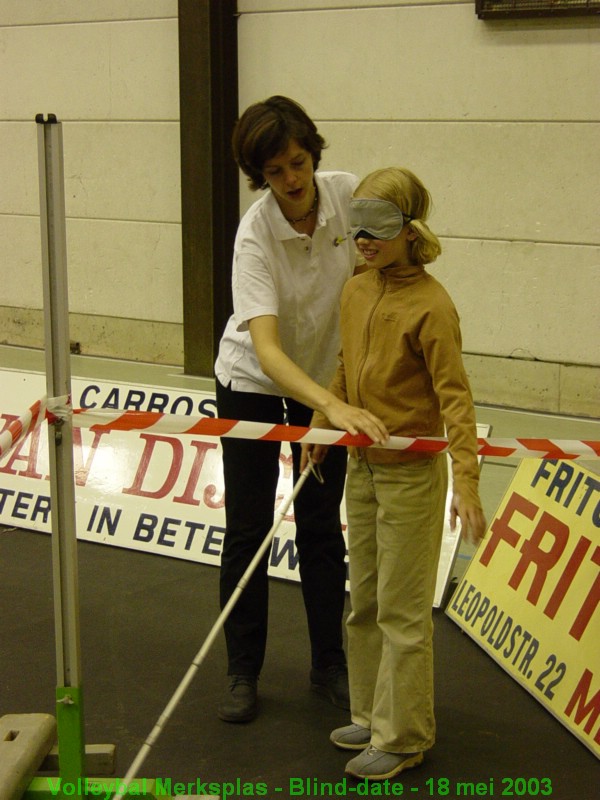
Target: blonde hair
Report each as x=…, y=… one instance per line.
x=401, y=187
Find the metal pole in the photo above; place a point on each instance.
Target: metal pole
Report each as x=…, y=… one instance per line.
x=60, y=450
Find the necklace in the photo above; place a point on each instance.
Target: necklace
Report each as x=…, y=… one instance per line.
x=306, y=216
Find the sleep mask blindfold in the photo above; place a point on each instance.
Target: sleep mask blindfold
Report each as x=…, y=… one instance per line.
x=376, y=219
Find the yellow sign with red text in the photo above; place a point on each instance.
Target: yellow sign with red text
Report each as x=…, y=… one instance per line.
x=530, y=596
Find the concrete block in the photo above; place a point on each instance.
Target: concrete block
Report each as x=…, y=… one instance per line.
x=104, y=337
x=26, y=12
x=126, y=70
x=475, y=194
x=514, y=383
x=525, y=300
x=99, y=760
x=580, y=390
x=25, y=740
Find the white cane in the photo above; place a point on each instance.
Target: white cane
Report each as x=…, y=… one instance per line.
x=200, y=656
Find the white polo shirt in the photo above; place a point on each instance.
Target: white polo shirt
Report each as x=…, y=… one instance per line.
x=296, y=278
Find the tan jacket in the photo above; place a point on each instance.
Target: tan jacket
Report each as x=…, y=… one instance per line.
x=401, y=359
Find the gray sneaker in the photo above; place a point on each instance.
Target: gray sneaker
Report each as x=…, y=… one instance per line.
x=377, y=765
x=351, y=737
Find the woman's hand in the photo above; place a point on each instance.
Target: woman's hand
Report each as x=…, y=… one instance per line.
x=315, y=452
x=472, y=519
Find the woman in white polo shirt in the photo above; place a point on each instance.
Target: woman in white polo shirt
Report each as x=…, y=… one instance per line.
x=279, y=351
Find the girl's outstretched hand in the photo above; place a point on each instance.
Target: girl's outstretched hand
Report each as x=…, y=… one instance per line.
x=471, y=518
x=355, y=420
x=344, y=417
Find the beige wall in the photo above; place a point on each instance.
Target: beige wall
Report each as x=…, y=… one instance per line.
x=109, y=70
x=501, y=121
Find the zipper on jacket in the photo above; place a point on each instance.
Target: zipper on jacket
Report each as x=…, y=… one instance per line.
x=367, y=347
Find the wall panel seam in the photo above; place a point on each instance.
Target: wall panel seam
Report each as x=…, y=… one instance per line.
x=351, y=7
x=73, y=23
x=450, y=121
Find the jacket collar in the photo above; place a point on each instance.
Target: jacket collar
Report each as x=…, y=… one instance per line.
x=406, y=273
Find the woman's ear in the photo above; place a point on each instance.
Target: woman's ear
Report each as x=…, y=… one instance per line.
x=411, y=234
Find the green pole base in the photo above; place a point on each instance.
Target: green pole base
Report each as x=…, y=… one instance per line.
x=70, y=729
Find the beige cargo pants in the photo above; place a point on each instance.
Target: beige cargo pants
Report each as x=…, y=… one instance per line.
x=395, y=518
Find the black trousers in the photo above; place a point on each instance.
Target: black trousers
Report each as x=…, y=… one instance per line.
x=251, y=471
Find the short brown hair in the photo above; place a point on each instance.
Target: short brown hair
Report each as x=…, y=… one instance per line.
x=264, y=131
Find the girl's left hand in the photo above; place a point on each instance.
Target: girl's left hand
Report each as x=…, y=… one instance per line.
x=471, y=517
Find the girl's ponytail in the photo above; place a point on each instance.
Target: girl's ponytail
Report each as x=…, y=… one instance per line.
x=426, y=247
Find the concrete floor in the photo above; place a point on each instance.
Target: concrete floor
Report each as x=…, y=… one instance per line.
x=144, y=617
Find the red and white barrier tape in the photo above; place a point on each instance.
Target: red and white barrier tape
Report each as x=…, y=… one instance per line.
x=18, y=428
x=171, y=423
x=106, y=420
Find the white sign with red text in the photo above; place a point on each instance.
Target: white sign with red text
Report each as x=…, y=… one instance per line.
x=146, y=491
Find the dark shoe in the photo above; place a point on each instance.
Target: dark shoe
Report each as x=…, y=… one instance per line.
x=332, y=682
x=377, y=765
x=240, y=703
